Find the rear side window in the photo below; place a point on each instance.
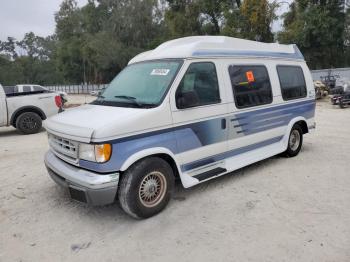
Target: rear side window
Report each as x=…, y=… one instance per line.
x=251, y=85
x=26, y=89
x=199, y=86
x=38, y=88
x=292, y=82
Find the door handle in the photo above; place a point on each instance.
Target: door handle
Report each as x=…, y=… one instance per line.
x=223, y=123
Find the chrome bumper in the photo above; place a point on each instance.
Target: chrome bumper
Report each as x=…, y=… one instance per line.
x=84, y=186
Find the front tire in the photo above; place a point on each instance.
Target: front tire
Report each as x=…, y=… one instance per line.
x=29, y=123
x=146, y=187
x=295, y=141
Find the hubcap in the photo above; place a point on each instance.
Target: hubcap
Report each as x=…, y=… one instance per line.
x=152, y=189
x=294, y=140
x=29, y=123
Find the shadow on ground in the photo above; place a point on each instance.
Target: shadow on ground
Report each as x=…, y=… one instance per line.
x=14, y=132
x=114, y=211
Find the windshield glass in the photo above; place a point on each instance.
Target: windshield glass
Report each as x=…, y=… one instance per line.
x=140, y=85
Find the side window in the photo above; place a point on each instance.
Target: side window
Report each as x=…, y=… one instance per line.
x=292, y=82
x=26, y=89
x=251, y=85
x=199, y=86
x=37, y=88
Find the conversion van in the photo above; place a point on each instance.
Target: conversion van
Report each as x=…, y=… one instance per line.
x=194, y=108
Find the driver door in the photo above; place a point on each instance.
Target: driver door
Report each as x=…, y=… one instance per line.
x=198, y=111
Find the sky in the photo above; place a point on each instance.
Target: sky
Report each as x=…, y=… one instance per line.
x=283, y=7
x=18, y=17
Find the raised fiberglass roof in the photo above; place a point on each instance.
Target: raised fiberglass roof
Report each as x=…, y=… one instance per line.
x=218, y=46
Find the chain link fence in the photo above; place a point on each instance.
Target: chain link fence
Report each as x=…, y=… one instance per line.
x=77, y=89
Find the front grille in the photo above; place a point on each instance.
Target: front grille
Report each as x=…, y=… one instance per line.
x=64, y=148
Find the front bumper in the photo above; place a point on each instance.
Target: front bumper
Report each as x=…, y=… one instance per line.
x=84, y=186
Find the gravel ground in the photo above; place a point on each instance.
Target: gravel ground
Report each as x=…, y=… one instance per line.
x=279, y=209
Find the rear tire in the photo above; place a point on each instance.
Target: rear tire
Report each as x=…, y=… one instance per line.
x=29, y=123
x=146, y=187
x=295, y=141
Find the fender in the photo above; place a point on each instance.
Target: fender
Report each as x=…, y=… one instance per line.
x=285, y=138
x=148, y=152
x=26, y=109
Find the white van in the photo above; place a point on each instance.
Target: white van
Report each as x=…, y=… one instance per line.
x=194, y=108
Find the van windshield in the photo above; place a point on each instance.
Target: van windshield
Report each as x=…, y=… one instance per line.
x=141, y=85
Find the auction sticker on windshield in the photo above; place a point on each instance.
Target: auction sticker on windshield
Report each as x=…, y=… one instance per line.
x=160, y=72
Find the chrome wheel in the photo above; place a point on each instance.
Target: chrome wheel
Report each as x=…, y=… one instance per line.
x=152, y=189
x=29, y=123
x=294, y=140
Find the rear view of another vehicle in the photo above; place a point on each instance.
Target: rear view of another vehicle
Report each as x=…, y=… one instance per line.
x=41, y=89
x=26, y=111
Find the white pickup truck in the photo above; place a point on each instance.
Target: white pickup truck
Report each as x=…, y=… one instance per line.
x=26, y=111
x=38, y=88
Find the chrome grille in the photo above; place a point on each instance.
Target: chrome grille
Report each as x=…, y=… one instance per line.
x=64, y=148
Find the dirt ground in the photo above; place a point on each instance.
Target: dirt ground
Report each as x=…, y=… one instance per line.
x=76, y=100
x=280, y=209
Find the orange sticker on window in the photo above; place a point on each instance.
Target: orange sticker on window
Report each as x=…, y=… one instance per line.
x=250, y=76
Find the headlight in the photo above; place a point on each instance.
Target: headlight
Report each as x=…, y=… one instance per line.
x=96, y=153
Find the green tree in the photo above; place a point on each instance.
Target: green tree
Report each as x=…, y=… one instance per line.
x=30, y=61
x=232, y=24
x=9, y=47
x=318, y=28
x=182, y=18
x=347, y=39
x=257, y=17
x=96, y=41
x=213, y=14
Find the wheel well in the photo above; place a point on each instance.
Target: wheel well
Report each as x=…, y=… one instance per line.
x=303, y=126
x=171, y=162
x=168, y=159
x=24, y=110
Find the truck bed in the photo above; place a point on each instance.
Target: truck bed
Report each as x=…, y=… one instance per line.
x=10, y=92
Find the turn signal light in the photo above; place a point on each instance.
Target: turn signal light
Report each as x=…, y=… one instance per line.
x=103, y=152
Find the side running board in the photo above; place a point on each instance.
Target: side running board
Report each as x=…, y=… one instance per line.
x=211, y=173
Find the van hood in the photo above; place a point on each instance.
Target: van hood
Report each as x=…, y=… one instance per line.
x=96, y=123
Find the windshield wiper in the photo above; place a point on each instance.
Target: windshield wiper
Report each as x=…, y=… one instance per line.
x=126, y=97
x=101, y=101
x=132, y=99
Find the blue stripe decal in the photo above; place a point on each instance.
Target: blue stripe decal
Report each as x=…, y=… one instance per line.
x=228, y=154
x=268, y=118
x=296, y=55
x=122, y=150
x=195, y=135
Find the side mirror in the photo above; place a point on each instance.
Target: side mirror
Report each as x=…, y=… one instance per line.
x=186, y=99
